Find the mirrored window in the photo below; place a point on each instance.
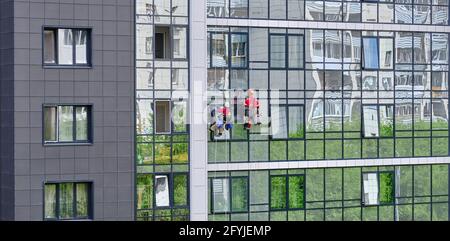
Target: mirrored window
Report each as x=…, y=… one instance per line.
x=370, y=54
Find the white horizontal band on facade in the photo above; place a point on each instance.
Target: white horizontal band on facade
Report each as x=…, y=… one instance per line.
x=326, y=164
x=326, y=25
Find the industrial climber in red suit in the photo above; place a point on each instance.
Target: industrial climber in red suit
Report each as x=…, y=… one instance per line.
x=221, y=119
x=251, y=105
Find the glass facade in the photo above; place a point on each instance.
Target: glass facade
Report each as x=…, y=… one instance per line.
x=162, y=131
x=433, y=12
x=384, y=193
x=283, y=94
x=329, y=94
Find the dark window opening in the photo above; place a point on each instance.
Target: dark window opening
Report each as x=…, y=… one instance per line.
x=162, y=114
x=162, y=42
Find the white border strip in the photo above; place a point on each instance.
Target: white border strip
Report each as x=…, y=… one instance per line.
x=198, y=132
x=326, y=163
x=326, y=25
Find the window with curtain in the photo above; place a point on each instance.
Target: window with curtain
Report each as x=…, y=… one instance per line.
x=67, y=201
x=67, y=124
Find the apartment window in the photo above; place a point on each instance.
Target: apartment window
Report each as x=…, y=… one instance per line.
x=170, y=42
x=162, y=42
x=67, y=201
x=67, y=47
x=229, y=195
x=386, y=53
x=223, y=45
x=378, y=120
x=286, y=51
x=170, y=190
x=287, y=192
x=219, y=51
x=370, y=53
x=239, y=50
x=67, y=124
x=162, y=190
x=162, y=116
x=378, y=188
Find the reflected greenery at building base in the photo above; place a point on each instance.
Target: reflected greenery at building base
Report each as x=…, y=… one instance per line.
x=402, y=193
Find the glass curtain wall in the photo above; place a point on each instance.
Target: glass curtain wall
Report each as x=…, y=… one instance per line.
x=341, y=94
x=389, y=11
x=388, y=193
x=162, y=132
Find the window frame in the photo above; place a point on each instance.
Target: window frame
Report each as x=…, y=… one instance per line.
x=229, y=50
x=170, y=105
x=363, y=203
x=363, y=55
x=378, y=105
x=286, y=107
x=55, y=30
x=170, y=181
x=90, y=122
x=170, y=41
x=90, y=201
x=287, y=192
x=286, y=51
x=230, y=194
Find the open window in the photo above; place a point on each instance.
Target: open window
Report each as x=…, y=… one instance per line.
x=171, y=190
x=162, y=42
x=162, y=191
x=162, y=117
x=170, y=42
x=378, y=188
x=378, y=120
